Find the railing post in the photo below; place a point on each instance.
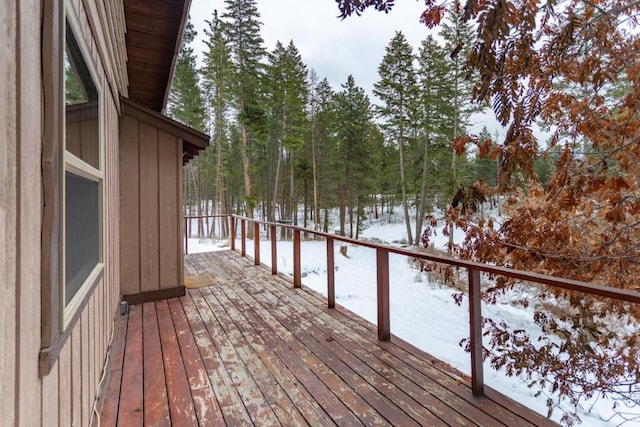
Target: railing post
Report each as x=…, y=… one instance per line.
x=243, y=234
x=256, y=243
x=274, y=250
x=382, y=264
x=232, y=229
x=475, y=323
x=186, y=238
x=331, y=274
x=297, y=272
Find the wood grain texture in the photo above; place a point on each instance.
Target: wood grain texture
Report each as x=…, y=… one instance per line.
x=156, y=407
x=8, y=207
x=250, y=349
x=169, y=210
x=149, y=209
x=129, y=153
x=130, y=410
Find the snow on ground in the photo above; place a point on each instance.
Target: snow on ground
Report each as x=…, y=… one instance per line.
x=422, y=313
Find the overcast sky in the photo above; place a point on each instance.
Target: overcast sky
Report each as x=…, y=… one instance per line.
x=333, y=48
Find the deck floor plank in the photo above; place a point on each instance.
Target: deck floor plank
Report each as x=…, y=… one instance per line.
x=202, y=393
x=277, y=399
x=109, y=410
x=179, y=393
x=229, y=401
x=130, y=409
x=251, y=350
x=156, y=405
x=252, y=396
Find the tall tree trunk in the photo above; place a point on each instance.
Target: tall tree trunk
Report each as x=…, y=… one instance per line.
x=275, y=183
x=405, y=203
x=316, y=218
x=292, y=190
x=375, y=205
x=350, y=218
x=224, y=231
x=342, y=208
x=293, y=206
x=246, y=164
x=420, y=209
x=454, y=174
x=325, y=226
x=197, y=200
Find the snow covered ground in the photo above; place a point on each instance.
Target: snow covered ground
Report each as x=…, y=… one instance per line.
x=422, y=313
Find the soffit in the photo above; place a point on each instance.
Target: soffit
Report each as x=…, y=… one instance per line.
x=154, y=30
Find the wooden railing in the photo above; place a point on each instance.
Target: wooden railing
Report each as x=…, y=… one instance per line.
x=382, y=265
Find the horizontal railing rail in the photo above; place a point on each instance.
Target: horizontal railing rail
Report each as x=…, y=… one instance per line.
x=382, y=265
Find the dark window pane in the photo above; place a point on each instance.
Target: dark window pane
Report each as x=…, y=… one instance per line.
x=82, y=231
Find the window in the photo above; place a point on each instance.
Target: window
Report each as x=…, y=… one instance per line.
x=83, y=178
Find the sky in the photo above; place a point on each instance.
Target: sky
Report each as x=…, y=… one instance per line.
x=332, y=47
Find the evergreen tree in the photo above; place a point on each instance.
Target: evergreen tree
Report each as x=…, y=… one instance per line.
x=186, y=103
x=435, y=114
x=248, y=53
x=458, y=33
x=324, y=143
x=354, y=125
x=287, y=94
x=397, y=91
x=217, y=74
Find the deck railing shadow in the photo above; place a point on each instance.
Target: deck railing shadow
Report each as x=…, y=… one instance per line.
x=473, y=269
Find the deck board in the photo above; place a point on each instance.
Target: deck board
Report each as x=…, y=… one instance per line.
x=251, y=350
x=156, y=405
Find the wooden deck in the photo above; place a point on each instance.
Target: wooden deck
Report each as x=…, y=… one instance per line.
x=251, y=350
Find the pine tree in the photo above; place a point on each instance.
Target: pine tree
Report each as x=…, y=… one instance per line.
x=217, y=74
x=458, y=34
x=435, y=114
x=323, y=122
x=397, y=91
x=286, y=87
x=354, y=125
x=248, y=53
x=186, y=105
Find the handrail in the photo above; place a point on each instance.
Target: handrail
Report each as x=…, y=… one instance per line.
x=382, y=265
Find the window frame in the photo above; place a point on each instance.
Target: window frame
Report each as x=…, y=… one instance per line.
x=85, y=170
x=59, y=318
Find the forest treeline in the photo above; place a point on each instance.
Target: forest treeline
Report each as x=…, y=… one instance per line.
x=286, y=145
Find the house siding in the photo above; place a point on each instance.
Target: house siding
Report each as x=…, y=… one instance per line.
x=150, y=208
x=65, y=396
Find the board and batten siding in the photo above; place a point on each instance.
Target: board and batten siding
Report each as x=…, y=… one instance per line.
x=65, y=396
x=151, y=255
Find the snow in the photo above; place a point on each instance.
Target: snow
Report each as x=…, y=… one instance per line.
x=422, y=313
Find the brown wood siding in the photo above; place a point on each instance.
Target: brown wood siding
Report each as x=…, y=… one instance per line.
x=65, y=396
x=8, y=206
x=169, y=155
x=150, y=177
